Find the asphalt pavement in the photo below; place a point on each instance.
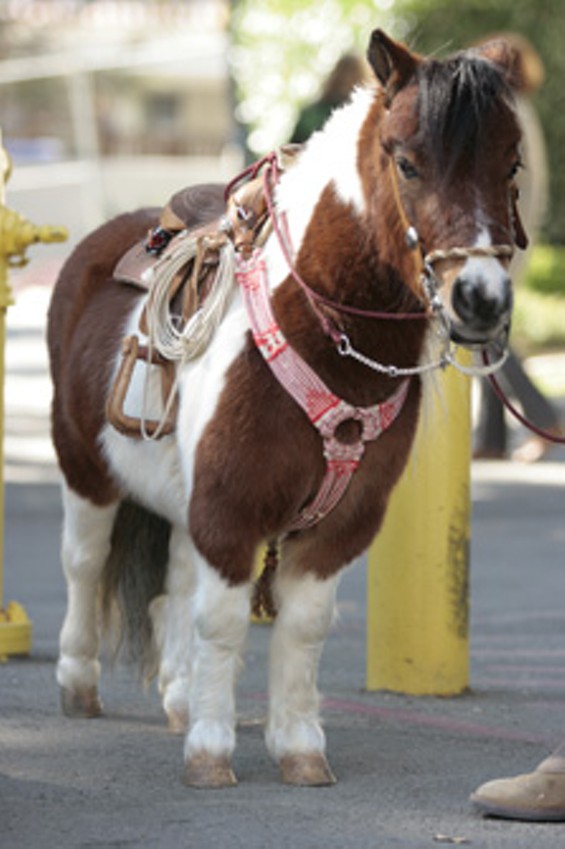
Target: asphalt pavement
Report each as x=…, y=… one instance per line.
x=405, y=765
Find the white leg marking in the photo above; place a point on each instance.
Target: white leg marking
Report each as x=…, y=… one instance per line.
x=221, y=620
x=172, y=623
x=86, y=543
x=306, y=610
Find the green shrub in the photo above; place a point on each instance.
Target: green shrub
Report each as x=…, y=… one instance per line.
x=539, y=321
x=546, y=270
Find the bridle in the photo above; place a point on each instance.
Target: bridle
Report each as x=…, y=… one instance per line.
x=433, y=306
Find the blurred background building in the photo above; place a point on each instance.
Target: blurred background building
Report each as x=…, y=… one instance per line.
x=112, y=104
x=107, y=105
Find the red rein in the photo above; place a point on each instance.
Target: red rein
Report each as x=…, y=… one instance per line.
x=545, y=434
x=310, y=293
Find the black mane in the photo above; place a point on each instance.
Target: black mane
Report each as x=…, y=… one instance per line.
x=457, y=98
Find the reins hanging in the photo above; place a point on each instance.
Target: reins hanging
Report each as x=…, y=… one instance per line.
x=558, y=439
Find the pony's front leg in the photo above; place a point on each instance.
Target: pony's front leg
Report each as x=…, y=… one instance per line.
x=294, y=734
x=221, y=620
x=171, y=616
x=86, y=543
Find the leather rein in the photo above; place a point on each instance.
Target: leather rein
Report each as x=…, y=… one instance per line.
x=558, y=439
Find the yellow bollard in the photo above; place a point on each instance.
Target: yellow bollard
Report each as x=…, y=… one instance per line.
x=417, y=622
x=16, y=234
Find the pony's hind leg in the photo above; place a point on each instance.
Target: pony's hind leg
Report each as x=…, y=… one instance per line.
x=294, y=734
x=221, y=620
x=86, y=542
x=171, y=615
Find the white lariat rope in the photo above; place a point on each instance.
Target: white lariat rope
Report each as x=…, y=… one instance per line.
x=181, y=344
x=176, y=343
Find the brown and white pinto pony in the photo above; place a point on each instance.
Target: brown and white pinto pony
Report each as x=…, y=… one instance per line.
x=433, y=144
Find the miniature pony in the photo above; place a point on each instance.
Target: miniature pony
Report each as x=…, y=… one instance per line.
x=397, y=219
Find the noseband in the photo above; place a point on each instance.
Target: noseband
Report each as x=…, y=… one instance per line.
x=430, y=285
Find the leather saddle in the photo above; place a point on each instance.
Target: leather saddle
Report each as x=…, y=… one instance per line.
x=192, y=211
x=203, y=217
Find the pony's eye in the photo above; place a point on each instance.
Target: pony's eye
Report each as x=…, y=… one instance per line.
x=516, y=167
x=406, y=168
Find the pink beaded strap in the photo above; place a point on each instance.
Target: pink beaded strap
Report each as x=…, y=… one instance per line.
x=325, y=410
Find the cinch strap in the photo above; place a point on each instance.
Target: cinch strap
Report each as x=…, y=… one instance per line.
x=325, y=410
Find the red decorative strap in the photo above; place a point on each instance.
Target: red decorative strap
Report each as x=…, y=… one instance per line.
x=324, y=409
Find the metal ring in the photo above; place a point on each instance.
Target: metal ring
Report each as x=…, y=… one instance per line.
x=344, y=346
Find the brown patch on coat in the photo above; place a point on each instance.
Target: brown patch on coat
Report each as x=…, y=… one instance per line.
x=85, y=326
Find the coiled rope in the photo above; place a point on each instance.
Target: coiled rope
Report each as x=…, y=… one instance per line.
x=166, y=333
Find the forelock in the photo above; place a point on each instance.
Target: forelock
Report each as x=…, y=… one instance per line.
x=457, y=100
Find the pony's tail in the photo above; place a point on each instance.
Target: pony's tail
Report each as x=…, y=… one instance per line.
x=134, y=574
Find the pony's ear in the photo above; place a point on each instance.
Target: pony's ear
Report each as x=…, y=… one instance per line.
x=505, y=55
x=392, y=63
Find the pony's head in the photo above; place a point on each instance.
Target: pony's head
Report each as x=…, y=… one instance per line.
x=448, y=145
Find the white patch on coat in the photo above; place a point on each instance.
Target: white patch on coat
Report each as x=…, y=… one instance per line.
x=329, y=157
x=159, y=472
x=489, y=269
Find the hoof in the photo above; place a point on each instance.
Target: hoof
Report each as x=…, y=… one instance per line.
x=178, y=721
x=307, y=770
x=211, y=771
x=81, y=704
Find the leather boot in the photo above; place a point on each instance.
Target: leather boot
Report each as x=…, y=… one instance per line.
x=537, y=796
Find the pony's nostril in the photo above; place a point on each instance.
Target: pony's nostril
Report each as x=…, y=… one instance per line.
x=462, y=299
x=478, y=304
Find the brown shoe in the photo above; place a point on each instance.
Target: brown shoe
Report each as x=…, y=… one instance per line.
x=537, y=796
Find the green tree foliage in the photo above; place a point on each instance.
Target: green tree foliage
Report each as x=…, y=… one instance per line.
x=283, y=50
x=442, y=26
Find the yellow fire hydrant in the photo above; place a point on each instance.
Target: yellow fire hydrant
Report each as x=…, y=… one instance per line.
x=16, y=235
